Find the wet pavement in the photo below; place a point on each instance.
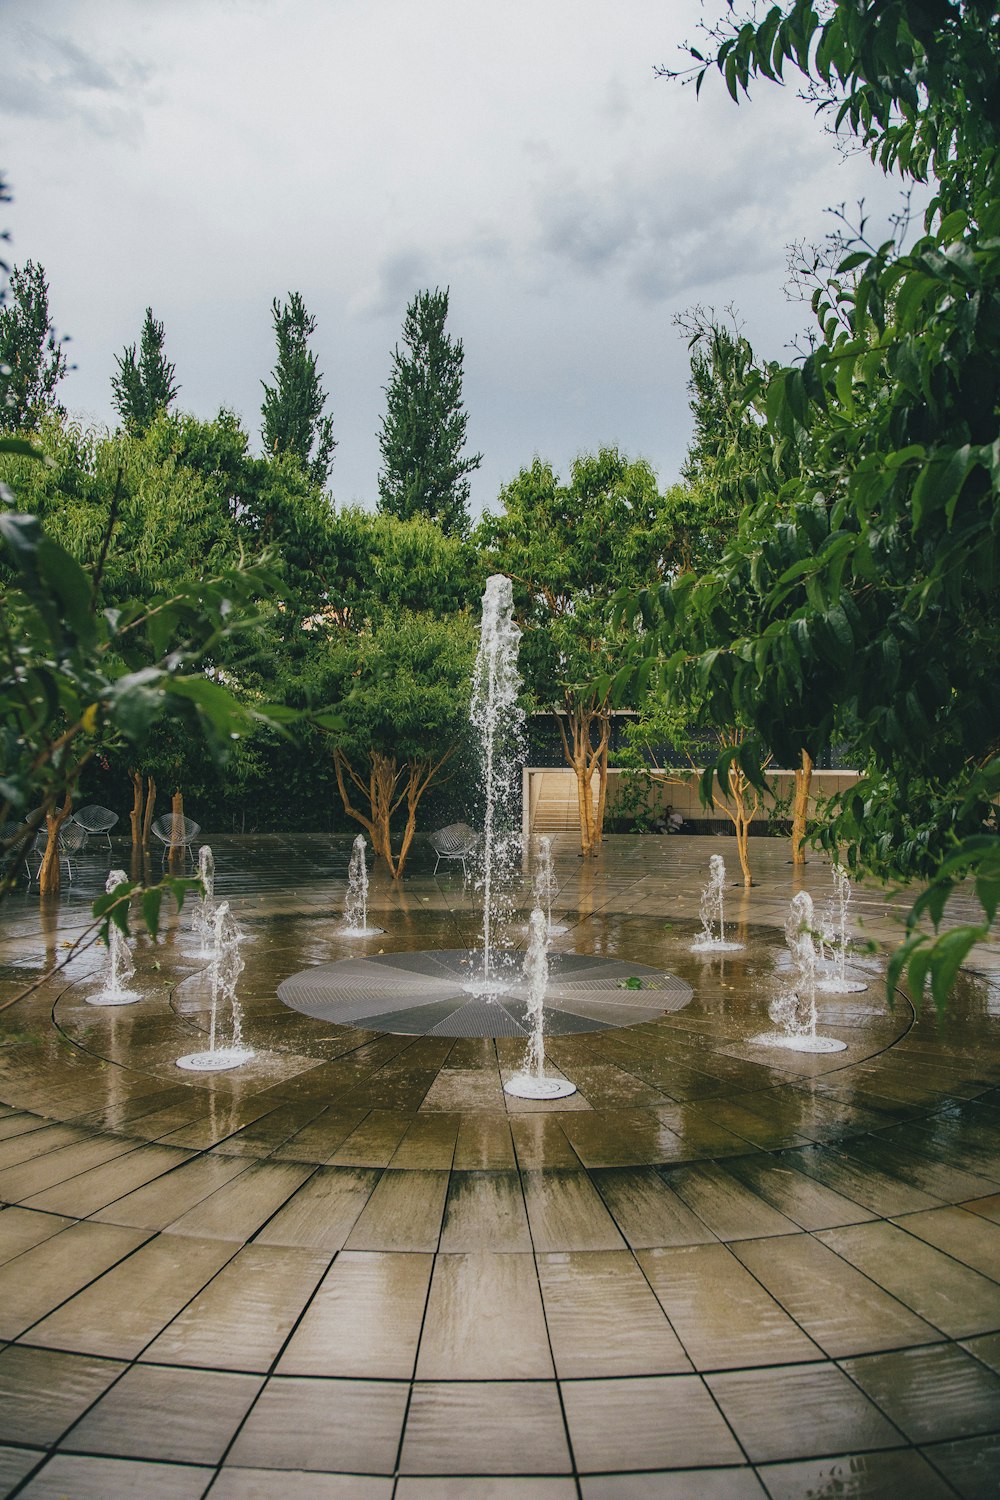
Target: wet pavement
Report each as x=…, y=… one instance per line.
x=354, y=1267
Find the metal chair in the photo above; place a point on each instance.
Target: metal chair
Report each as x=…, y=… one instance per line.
x=175, y=833
x=71, y=840
x=457, y=841
x=96, y=819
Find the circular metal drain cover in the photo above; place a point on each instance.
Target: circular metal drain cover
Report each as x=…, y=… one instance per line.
x=436, y=994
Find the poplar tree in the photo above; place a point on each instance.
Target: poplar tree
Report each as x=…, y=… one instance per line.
x=292, y=411
x=423, y=430
x=144, y=385
x=32, y=361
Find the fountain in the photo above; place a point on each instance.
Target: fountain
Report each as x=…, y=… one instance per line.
x=711, y=912
x=498, y=719
x=795, y=1011
x=546, y=886
x=356, y=902
x=835, y=937
x=224, y=971
x=531, y=1082
x=121, y=965
x=204, y=913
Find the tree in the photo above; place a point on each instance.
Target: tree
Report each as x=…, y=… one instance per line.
x=144, y=386
x=876, y=569
x=566, y=547
x=423, y=430
x=32, y=361
x=403, y=690
x=293, y=406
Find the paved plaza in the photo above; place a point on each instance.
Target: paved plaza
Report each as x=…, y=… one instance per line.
x=354, y=1269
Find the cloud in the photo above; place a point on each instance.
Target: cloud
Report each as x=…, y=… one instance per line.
x=53, y=78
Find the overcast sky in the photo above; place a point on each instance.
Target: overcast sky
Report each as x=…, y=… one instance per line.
x=205, y=156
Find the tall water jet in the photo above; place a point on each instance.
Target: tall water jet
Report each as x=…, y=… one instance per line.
x=795, y=1010
x=224, y=972
x=531, y=1082
x=838, y=983
x=545, y=885
x=498, y=720
x=711, y=912
x=203, y=924
x=121, y=965
x=356, y=901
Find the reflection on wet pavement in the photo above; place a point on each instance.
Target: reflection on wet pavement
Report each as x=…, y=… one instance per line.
x=355, y=1267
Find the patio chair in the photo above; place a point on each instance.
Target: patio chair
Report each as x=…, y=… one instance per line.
x=71, y=840
x=95, y=819
x=457, y=841
x=175, y=833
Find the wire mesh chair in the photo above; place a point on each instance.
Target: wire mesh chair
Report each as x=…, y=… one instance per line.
x=175, y=833
x=71, y=840
x=457, y=841
x=95, y=820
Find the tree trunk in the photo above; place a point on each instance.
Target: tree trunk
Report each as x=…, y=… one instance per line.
x=49, y=877
x=150, y=809
x=800, y=808
x=585, y=758
x=381, y=793
x=135, y=816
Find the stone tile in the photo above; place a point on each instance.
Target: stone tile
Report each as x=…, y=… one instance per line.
x=243, y=1316
x=647, y=1211
x=323, y=1211
x=805, y=1411
x=429, y=1142
x=680, y=1484
x=862, y=1476
x=348, y=1426
x=15, y=1463
x=986, y=1348
x=540, y=1143
x=865, y=1184
x=156, y=1412
x=484, y=1320
x=484, y=1144
x=970, y=1464
x=286, y=1484
x=931, y=1394
x=23, y=1228
x=508, y=1487
x=973, y=1240
x=42, y=1392
x=44, y=1276
x=727, y=1206
x=566, y=1212
x=722, y=1315
x=239, y=1208
x=954, y=1298
x=165, y=1199
x=804, y=1200
x=71, y=1476
x=364, y=1320
x=90, y=1191
x=844, y=1311
x=485, y=1427
x=403, y=1213
x=485, y=1210
x=118, y=1314
x=603, y=1319
x=621, y=1424
x=375, y=1140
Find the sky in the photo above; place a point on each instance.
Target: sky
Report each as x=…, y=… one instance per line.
x=203, y=157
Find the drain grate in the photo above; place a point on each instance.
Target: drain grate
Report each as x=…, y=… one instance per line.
x=434, y=993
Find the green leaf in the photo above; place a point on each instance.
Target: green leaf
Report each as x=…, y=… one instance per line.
x=938, y=483
x=151, y=902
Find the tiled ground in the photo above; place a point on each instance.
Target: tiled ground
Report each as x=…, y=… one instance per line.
x=355, y=1268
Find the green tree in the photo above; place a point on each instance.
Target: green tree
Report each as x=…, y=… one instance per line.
x=292, y=411
x=144, y=385
x=403, y=691
x=32, y=360
x=875, y=568
x=567, y=547
x=423, y=430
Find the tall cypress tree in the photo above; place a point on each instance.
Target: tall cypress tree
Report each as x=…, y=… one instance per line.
x=144, y=386
x=423, y=430
x=32, y=361
x=293, y=406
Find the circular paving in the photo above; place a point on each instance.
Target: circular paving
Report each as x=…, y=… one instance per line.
x=435, y=994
